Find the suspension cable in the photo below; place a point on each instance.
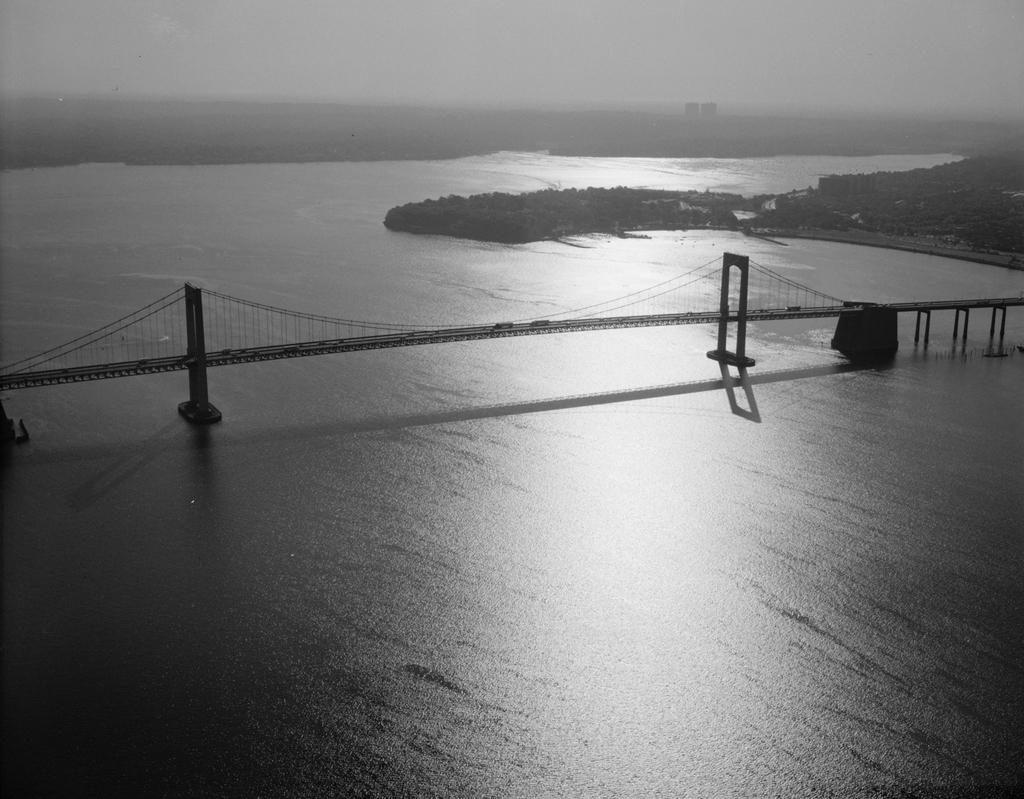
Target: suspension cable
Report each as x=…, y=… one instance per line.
x=100, y=332
x=792, y=283
x=640, y=291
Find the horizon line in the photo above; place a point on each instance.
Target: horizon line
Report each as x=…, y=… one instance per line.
x=725, y=110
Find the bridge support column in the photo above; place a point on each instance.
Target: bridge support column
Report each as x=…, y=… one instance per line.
x=1002, y=323
x=927, y=326
x=867, y=333
x=993, y=351
x=197, y=409
x=721, y=354
x=956, y=322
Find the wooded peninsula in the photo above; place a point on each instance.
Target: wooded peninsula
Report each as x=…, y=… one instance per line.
x=553, y=213
x=975, y=204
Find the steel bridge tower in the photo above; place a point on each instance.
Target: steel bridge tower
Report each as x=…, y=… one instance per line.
x=721, y=354
x=197, y=409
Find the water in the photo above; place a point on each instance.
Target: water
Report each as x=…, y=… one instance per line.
x=489, y=569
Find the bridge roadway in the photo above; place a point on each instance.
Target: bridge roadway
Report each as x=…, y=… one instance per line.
x=228, y=357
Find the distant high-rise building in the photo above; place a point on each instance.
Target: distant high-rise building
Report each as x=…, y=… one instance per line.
x=691, y=109
x=708, y=109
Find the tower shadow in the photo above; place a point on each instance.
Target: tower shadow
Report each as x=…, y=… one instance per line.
x=729, y=382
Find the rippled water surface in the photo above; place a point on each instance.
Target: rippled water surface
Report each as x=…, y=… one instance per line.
x=534, y=567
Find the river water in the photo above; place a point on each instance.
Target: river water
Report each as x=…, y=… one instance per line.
x=500, y=568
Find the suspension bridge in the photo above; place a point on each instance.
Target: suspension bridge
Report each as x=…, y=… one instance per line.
x=195, y=329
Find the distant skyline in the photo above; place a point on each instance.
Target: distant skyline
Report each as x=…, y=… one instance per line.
x=922, y=56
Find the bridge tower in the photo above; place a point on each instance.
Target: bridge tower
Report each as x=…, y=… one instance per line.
x=197, y=409
x=721, y=354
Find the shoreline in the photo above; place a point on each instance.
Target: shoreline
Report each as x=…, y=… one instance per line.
x=1005, y=260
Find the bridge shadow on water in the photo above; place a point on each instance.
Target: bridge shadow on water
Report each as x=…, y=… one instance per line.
x=744, y=382
x=128, y=461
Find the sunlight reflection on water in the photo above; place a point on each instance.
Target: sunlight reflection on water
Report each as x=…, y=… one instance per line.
x=747, y=176
x=501, y=567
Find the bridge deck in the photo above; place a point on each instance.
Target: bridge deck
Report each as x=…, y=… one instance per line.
x=444, y=335
x=952, y=305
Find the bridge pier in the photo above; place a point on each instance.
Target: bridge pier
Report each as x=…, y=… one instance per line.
x=8, y=431
x=6, y=426
x=992, y=326
x=996, y=352
x=956, y=322
x=721, y=354
x=867, y=332
x=927, y=326
x=197, y=409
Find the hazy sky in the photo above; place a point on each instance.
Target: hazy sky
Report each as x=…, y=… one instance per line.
x=939, y=56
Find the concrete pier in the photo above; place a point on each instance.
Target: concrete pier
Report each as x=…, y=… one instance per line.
x=956, y=322
x=993, y=350
x=927, y=326
x=9, y=431
x=6, y=426
x=867, y=333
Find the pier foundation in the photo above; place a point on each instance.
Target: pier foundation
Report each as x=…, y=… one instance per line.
x=867, y=333
x=6, y=426
x=9, y=431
